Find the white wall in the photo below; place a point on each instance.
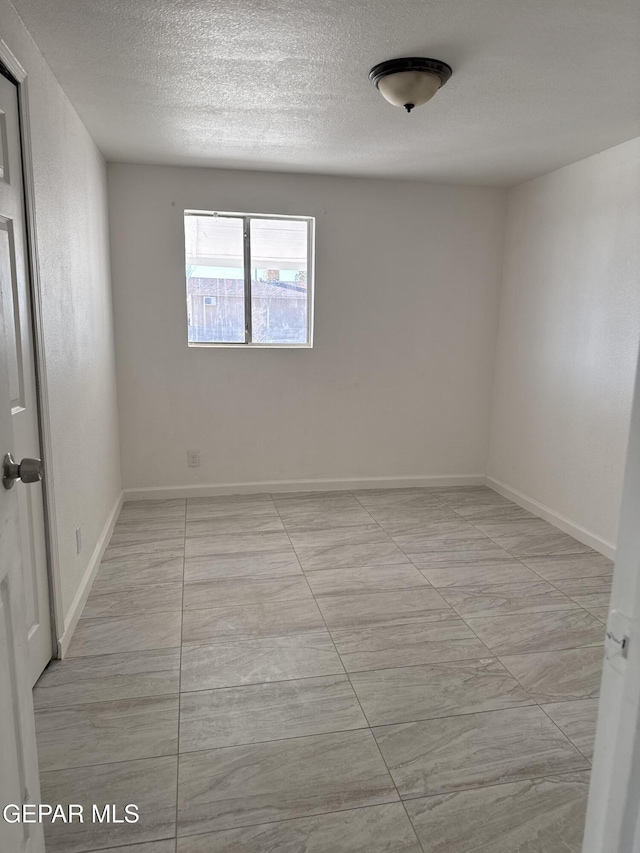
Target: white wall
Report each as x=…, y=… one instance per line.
x=398, y=382
x=568, y=338
x=72, y=243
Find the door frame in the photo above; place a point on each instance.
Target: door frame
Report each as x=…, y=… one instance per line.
x=20, y=77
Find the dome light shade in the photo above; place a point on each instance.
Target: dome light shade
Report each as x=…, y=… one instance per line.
x=409, y=82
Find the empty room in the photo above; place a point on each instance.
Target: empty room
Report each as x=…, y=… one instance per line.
x=319, y=426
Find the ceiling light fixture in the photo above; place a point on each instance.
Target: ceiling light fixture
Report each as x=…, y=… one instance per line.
x=411, y=81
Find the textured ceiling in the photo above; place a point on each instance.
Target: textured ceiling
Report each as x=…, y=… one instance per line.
x=282, y=84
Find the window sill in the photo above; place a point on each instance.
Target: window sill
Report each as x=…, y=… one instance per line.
x=202, y=345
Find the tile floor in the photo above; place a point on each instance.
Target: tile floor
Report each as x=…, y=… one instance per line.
x=399, y=671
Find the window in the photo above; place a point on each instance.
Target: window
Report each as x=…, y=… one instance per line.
x=249, y=279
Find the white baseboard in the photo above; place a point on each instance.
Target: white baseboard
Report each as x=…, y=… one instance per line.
x=320, y=485
x=75, y=611
x=608, y=549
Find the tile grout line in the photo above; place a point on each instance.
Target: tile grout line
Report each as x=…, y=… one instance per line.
x=512, y=556
x=357, y=698
x=567, y=610
x=492, y=653
x=324, y=622
x=521, y=560
x=184, y=558
x=571, y=648
x=290, y=820
x=564, y=773
x=564, y=733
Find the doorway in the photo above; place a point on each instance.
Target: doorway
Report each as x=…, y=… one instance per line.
x=22, y=391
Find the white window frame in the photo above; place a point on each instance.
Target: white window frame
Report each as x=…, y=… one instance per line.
x=246, y=232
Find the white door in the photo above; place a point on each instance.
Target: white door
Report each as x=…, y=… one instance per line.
x=18, y=762
x=613, y=816
x=18, y=334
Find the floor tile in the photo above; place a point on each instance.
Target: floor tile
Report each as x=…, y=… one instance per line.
x=150, y=783
x=223, y=506
x=559, y=676
x=126, y=634
x=479, y=552
x=243, y=785
x=231, y=622
x=399, y=520
x=346, y=546
x=436, y=690
x=331, y=496
x=468, y=547
x=171, y=508
x=269, y=564
x=127, y=675
x=104, y=600
x=106, y=732
x=538, y=632
x=244, y=591
x=475, y=513
x=239, y=544
x=454, y=753
x=458, y=574
x=439, y=637
x=135, y=530
x=167, y=846
x=254, y=661
x=210, y=719
x=375, y=829
x=466, y=498
x=322, y=513
x=233, y=524
x=142, y=563
x=307, y=519
x=504, y=598
x=563, y=566
x=577, y=720
x=537, y=816
x=587, y=592
x=379, y=608
x=532, y=537
x=365, y=579
x=407, y=498
x=276, y=751
x=446, y=536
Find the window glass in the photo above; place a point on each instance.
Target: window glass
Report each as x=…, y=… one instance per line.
x=215, y=278
x=279, y=299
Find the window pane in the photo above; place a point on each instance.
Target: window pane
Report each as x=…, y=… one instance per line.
x=215, y=278
x=279, y=281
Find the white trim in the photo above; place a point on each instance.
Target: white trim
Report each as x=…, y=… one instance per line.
x=559, y=521
x=320, y=485
x=13, y=65
x=75, y=611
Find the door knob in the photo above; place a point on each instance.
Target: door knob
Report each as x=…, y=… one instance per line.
x=29, y=470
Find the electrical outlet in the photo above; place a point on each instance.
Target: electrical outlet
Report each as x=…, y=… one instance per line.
x=193, y=458
x=78, y=540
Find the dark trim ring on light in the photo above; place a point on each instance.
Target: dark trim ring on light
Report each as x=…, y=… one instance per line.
x=410, y=63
